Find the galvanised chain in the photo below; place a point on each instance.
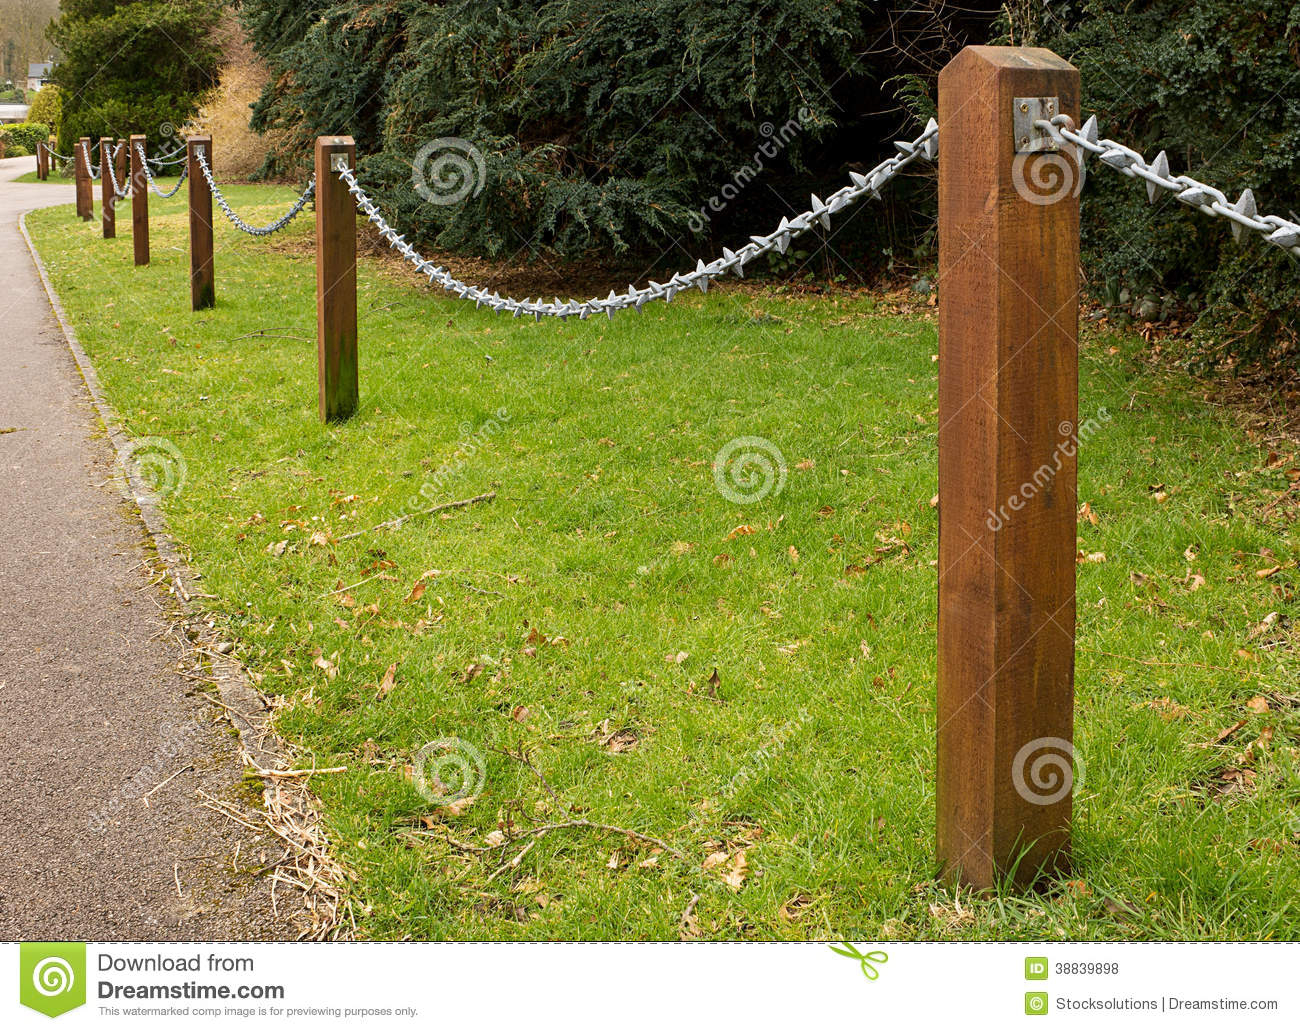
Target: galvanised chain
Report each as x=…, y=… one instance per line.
x=119, y=192
x=139, y=149
x=863, y=185
x=92, y=169
x=239, y=223
x=1244, y=215
x=174, y=158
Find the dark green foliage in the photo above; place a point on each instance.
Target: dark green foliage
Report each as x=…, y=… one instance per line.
x=133, y=66
x=604, y=124
x=1216, y=83
x=25, y=135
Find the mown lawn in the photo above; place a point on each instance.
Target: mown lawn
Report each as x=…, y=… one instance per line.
x=578, y=619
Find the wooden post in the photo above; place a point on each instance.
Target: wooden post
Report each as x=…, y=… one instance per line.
x=40, y=160
x=1008, y=401
x=139, y=202
x=203, y=290
x=85, y=195
x=336, y=282
x=108, y=202
x=49, y=155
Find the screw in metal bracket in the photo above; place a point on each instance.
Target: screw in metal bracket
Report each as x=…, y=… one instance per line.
x=1029, y=138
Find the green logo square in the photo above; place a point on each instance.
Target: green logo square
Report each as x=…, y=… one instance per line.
x=1035, y=968
x=1036, y=1004
x=52, y=976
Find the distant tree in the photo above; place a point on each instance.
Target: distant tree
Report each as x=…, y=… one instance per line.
x=133, y=66
x=47, y=107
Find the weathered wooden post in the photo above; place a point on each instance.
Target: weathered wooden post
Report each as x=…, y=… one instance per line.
x=336, y=281
x=1008, y=401
x=84, y=193
x=203, y=290
x=139, y=202
x=40, y=160
x=107, y=200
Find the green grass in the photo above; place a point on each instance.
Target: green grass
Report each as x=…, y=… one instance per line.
x=605, y=545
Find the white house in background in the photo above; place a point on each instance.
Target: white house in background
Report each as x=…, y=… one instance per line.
x=38, y=73
x=10, y=113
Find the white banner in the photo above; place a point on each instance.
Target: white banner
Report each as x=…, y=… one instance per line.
x=658, y=987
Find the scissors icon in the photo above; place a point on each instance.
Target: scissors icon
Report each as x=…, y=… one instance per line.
x=866, y=960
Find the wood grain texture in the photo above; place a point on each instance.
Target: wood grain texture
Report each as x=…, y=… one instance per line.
x=203, y=288
x=336, y=283
x=107, y=202
x=139, y=202
x=85, y=188
x=1008, y=400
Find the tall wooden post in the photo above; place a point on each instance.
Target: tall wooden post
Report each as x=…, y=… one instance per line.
x=1008, y=401
x=203, y=290
x=336, y=281
x=139, y=201
x=85, y=195
x=40, y=160
x=107, y=200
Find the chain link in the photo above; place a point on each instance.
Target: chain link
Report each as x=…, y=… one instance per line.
x=119, y=192
x=1243, y=215
x=863, y=185
x=139, y=149
x=239, y=223
x=92, y=169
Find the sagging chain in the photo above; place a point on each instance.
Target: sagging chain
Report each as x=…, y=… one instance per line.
x=174, y=158
x=1243, y=215
x=91, y=170
x=863, y=185
x=119, y=192
x=144, y=164
x=239, y=223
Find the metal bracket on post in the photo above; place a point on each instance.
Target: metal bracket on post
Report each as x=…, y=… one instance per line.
x=1030, y=138
x=338, y=162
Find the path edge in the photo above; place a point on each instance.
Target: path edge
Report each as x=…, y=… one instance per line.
x=235, y=691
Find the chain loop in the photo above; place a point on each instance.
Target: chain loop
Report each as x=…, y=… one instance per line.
x=144, y=164
x=239, y=223
x=869, y=184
